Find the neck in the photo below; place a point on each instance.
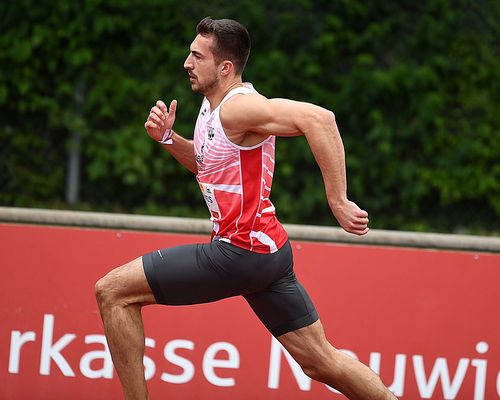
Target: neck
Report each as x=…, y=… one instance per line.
x=215, y=97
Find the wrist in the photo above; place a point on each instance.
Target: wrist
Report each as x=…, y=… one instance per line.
x=338, y=202
x=167, y=137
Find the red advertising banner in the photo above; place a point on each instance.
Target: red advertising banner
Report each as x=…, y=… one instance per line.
x=426, y=321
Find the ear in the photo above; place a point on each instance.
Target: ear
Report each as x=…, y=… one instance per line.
x=226, y=68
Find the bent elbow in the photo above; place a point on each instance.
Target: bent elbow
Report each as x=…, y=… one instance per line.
x=312, y=118
x=322, y=118
x=327, y=116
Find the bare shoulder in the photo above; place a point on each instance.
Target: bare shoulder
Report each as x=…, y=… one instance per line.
x=276, y=116
x=245, y=99
x=242, y=109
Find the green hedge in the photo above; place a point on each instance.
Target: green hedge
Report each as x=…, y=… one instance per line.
x=415, y=88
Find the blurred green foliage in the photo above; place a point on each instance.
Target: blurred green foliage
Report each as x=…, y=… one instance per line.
x=415, y=87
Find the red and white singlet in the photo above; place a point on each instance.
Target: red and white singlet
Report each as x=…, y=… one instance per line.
x=236, y=183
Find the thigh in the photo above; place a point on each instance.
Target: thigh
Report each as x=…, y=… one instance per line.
x=284, y=305
x=193, y=274
x=128, y=284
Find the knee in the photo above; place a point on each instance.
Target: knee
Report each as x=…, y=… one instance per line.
x=120, y=287
x=105, y=292
x=325, y=367
x=314, y=371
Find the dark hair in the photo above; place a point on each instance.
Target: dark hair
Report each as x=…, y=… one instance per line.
x=231, y=40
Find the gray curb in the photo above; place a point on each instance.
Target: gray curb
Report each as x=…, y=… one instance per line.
x=202, y=226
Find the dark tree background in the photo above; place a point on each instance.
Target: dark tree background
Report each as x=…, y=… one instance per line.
x=415, y=87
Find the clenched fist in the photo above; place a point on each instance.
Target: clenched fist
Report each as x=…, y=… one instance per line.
x=351, y=218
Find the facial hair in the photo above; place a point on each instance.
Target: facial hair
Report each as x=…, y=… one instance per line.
x=207, y=87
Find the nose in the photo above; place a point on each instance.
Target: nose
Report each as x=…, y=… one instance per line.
x=188, y=63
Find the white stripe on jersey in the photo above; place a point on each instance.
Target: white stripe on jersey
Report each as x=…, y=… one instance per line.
x=270, y=158
x=263, y=238
x=211, y=172
x=268, y=170
x=228, y=188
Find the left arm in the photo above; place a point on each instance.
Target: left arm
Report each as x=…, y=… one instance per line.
x=282, y=117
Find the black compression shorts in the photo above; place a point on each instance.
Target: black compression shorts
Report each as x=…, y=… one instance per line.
x=202, y=273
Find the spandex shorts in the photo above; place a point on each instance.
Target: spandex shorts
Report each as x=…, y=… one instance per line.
x=202, y=273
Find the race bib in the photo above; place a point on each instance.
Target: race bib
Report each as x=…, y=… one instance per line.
x=208, y=193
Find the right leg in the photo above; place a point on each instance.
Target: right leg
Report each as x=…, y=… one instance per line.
x=120, y=296
x=322, y=362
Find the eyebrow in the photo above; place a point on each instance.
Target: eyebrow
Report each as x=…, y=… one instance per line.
x=196, y=53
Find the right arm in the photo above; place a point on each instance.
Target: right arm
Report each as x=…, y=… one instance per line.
x=161, y=119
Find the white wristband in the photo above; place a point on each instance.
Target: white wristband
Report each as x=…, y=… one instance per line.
x=167, y=137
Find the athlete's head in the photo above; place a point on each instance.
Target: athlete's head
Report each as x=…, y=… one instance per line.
x=220, y=49
x=231, y=41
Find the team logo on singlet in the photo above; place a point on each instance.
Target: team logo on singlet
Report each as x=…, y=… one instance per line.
x=211, y=133
x=199, y=157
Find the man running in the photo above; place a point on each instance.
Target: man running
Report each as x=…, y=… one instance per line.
x=232, y=155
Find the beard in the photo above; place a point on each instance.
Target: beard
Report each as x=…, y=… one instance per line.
x=205, y=87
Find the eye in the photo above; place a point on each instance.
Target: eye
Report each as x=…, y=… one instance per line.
x=196, y=55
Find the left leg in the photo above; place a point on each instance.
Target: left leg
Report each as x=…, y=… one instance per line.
x=322, y=362
x=287, y=311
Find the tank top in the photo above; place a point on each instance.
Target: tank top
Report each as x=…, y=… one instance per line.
x=236, y=183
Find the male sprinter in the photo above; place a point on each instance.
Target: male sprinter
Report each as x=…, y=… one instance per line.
x=232, y=155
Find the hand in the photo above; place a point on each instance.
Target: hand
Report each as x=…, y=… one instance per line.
x=160, y=119
x=351, y=218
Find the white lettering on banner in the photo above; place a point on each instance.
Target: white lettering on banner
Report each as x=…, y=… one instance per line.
x=97, y=364
x=149, y=364
x=186, y=365
x=440, y=370
x=210, y=362
x=17, y=341
x=52, y=351
x=480, y=382
x=107, y=368
x=498, y=384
